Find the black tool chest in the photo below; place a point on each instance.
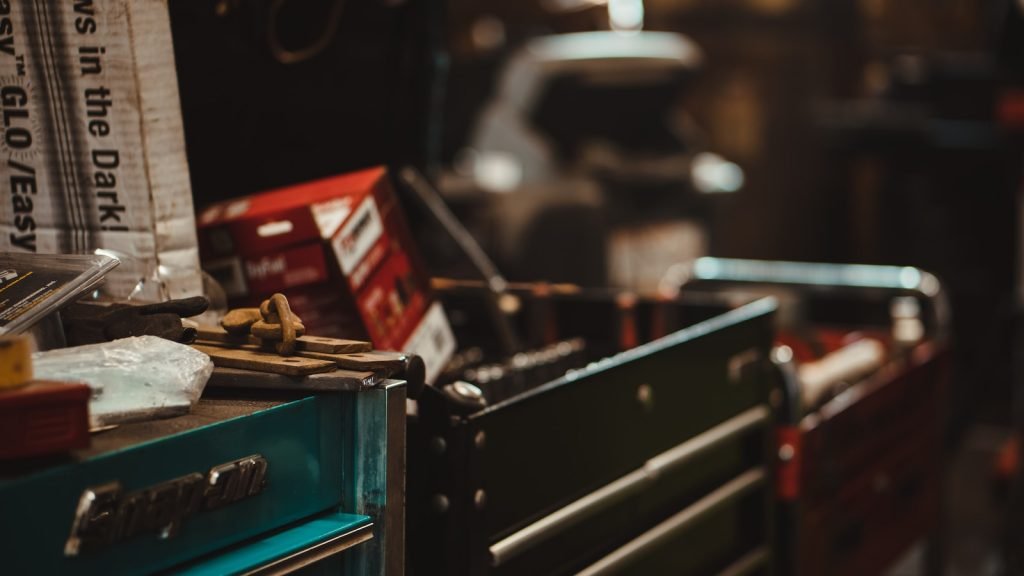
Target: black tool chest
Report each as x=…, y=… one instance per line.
x=657, y=459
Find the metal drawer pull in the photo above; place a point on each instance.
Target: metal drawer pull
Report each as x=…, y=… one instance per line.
x=621, y=489
x=725, y=494
x=314, y=554
x=750, y=562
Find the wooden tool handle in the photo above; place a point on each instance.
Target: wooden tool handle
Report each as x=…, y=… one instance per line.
x=848, y=364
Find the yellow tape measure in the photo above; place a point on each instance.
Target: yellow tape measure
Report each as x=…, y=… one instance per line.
x=15, y=361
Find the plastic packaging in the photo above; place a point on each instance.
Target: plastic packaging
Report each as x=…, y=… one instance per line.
x=132, y=379
x=36, y=285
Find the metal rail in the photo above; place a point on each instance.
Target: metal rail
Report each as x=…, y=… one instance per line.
x=729, y=492
x=315, y=553
x=818, y=276
x=749, y=563
x=626, y=486
x=431, y=199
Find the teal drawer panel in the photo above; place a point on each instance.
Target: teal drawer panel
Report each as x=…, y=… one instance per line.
x=300, y=441
x=279, y=545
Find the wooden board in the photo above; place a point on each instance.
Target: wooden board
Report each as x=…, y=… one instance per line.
x=218, y=334
x=303, y=343
x=238, y=346
x=335, y=380
x=331, y=345
x=265, y=362
x=390, y=362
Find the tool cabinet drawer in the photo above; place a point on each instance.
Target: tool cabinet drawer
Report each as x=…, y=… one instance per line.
x=149, y=496
x=869, y=472
x=875, y=514
x=725, y=532
x=886, y=414
x=554, y=479
x=859, y=460
x=634, y=410
x=686, y=477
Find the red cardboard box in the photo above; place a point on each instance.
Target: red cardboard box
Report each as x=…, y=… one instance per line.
x=340, y=250
x=43, y=417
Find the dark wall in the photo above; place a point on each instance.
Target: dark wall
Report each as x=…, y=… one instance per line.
x=276, y=92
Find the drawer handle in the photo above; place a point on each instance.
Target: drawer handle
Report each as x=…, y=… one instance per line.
x=687, y=517
x=636, y=481
x=749, y=563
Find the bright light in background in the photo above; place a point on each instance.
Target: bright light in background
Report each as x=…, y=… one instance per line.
x=782, y=354
x=492, y=170
x=713, y=174
x=497, y=171
x=626, y=15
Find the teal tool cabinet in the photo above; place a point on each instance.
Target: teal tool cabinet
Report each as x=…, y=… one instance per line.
x=249, y=482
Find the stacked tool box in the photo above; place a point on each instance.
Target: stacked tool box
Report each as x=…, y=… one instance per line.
x=678, y=442
x=859, y=472
x=656, y=459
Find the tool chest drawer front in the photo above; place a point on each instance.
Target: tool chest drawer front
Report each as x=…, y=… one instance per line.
x=876, y=516
x=898, y=409
x=581, y=533
x=724, y=533
x=869, y=472
x=553, y=446
x=317, y=544
x=157, y=503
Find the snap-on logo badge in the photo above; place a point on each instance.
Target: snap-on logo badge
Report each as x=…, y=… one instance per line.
x=106, y=515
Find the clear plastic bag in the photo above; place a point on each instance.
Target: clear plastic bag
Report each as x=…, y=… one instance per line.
x=132, y=379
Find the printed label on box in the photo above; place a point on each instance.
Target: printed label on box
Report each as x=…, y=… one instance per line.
x=276, y=272
x=369, y=263
x=433, y=341
x=330, y=214
x=358, y=236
